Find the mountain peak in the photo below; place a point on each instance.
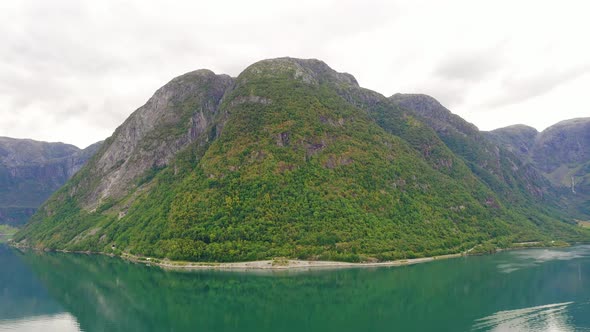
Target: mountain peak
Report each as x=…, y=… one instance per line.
x=518, y=139
x=311, y=71
x=422, y=104
x=577, y=122
x=516, y=127
x=433, y=112
x=518, y=131
x=416, y=97
x=21, y=151
x=567, y=142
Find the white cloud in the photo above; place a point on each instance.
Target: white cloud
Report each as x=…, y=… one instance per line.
x=74, y=70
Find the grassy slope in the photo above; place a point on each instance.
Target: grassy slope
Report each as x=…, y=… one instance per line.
x=340, y=187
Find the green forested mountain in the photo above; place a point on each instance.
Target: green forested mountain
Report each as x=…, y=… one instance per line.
x=561, y=153
x=292, y=158
x=30, y=171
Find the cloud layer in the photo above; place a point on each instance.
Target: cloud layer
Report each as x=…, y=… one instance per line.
x=73, y=70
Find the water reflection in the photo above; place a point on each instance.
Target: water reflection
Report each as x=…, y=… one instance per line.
x=522, y=259
x=546, y=292
x=549, y=317
x=556, y=317
x=48, y=323
x=21, y=292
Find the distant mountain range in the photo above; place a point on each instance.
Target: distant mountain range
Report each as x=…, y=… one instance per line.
x=30, y=171
x=293, y=159
x=561, y=153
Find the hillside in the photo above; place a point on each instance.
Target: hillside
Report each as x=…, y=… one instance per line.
x=30, y=171
x=502, y=170
x=561, y=153
x=293, y=159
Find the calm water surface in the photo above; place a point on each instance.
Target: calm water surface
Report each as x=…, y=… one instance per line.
x=527, y=290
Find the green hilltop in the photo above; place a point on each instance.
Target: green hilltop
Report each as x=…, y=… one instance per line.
x=293, y=159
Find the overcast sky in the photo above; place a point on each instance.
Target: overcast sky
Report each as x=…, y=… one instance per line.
x=72, y=71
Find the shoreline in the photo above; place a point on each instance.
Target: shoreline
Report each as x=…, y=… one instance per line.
x=284, y=264
x=261, y=265
x=280, y=264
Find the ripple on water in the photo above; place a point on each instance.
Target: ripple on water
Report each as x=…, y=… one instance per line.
x=550, y=317
x=521, y=259
x=545, y=318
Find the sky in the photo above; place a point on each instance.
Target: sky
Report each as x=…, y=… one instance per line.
x=73, y=70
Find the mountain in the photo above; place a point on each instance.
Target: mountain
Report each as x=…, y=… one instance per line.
x=30, y=171
x=519, y=139
x=499, y=167
x=292, y=159
x=561, y=153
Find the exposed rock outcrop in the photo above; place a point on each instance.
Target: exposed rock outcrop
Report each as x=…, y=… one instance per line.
x=176, y=115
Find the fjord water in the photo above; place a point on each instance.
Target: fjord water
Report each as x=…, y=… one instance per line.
x=525, y=290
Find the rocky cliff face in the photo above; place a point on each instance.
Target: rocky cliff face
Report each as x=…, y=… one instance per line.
x=561, y=152
x=30, y=171
x=177, y=114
